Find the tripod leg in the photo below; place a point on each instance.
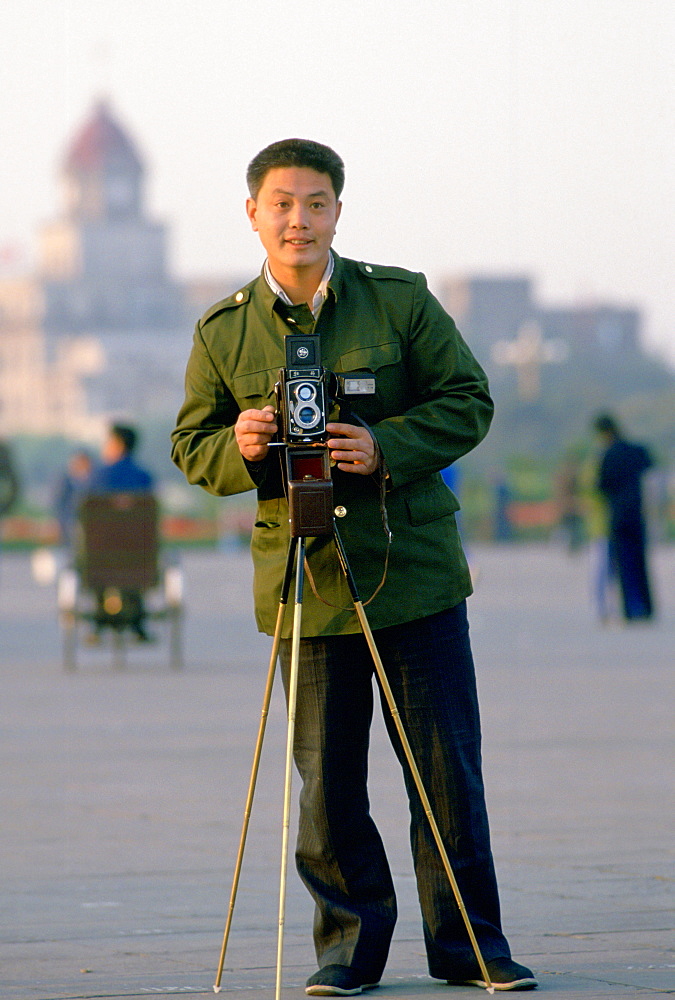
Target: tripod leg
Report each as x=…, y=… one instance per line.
x=256, y=756
x=292, y=700
x=389, y=695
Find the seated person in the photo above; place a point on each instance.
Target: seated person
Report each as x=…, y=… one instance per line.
x=120, y=473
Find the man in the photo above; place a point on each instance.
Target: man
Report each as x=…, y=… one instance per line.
x=120, y=473
x=622, y=466
x=431, y=406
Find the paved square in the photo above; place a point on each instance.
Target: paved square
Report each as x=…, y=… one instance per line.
x=122, y=795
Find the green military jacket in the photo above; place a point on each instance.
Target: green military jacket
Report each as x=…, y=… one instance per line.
x=431, y=406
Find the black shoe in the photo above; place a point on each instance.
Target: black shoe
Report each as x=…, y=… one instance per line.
x=337, y=981
x=504, y=975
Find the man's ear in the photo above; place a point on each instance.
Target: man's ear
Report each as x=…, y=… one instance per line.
x=251, y=209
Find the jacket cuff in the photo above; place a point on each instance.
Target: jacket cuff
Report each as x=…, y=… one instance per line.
x=257, y=470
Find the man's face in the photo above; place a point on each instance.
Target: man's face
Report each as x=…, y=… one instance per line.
x=295, y=215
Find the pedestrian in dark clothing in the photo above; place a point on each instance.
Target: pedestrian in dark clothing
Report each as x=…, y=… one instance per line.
x=622, y=468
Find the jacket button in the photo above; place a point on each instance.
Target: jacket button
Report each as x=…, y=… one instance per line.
x=340, y=511
x=239, y=296
x=369, y=269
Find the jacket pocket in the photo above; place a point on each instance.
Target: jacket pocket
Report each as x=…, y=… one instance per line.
x=431, y=504
x=256, y=384
x=371, y=358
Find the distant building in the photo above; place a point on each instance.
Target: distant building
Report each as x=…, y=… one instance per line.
x=103, y=263
x=508, y=329
x=42, y=382
x=489, y=309
x=598, y=331
x=102, y=328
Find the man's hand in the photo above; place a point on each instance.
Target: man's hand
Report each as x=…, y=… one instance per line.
x=254, y=430
x=353, y=449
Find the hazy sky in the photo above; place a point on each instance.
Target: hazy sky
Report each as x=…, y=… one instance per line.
x=501, y=136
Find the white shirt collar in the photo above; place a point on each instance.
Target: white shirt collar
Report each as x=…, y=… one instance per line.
x=320, y=295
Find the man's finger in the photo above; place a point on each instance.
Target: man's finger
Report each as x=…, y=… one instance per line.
x=346, y=430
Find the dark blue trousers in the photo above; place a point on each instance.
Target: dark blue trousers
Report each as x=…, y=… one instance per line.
x=340, y=855
x=628, y=551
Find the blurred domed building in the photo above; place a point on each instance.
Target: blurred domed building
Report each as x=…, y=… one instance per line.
x=102, y=329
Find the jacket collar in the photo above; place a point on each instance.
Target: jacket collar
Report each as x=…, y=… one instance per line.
x=268, y=297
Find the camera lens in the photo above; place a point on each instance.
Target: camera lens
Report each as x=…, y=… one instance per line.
x=306, y=391
x=305, y=415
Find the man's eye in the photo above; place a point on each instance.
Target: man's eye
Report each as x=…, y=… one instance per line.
x=318, y=204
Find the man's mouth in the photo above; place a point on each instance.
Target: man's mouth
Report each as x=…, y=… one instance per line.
x=299, y=243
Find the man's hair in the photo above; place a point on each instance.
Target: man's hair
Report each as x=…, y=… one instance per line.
x=127, y=435
x=295, y=153
x=605, y=423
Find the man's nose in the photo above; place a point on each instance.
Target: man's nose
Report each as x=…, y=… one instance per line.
x=299, y=217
